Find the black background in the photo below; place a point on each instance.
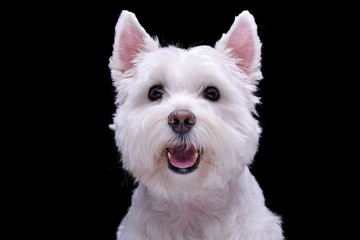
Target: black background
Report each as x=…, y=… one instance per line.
x=71, y=177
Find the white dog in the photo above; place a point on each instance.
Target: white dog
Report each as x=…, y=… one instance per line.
x=185, y=127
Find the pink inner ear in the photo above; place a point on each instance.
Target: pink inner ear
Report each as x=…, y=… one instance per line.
x=242, y=44
x=131, y=43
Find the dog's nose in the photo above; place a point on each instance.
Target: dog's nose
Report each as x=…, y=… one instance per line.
x=181, y=121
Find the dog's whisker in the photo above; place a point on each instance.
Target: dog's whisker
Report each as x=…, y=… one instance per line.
x=209, y=162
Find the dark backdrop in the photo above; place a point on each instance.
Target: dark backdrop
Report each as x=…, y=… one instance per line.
x=77, y=187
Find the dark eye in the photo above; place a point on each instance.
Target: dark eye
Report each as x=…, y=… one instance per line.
x=212, y=94
x=155, y=92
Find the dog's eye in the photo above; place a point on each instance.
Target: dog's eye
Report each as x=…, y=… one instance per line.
x=212, y=94
x=155, y=92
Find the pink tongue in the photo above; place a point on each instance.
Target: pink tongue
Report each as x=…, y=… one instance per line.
x=182, y=158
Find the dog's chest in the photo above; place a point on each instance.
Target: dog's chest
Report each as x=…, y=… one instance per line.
x=193, y=220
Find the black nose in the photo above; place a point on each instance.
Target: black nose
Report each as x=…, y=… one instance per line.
x=181, y=121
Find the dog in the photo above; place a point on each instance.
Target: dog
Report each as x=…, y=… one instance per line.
x=186, y=127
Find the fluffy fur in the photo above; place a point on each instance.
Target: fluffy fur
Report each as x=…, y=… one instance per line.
x=220, y=199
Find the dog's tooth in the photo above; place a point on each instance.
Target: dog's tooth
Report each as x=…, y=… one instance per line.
x=169, y=155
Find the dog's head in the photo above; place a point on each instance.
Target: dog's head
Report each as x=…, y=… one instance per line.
x=184, y=116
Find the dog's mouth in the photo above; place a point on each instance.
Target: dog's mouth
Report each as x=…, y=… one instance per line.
x=183, y=159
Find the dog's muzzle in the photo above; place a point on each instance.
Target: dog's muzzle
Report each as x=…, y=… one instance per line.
x=182, y=158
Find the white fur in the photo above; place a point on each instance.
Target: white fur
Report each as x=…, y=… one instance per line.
x=221, y=199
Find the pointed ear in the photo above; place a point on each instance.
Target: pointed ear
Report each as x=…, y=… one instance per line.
x=130, y=40
x=243, y=43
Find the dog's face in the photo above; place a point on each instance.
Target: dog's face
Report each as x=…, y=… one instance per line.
x=184, y=117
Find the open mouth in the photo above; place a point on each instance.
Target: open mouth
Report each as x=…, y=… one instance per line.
x=183, y=159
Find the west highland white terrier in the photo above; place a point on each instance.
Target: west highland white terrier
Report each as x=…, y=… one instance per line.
x=185, y=128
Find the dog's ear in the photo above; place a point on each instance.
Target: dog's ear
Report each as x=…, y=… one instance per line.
x=242, y=43
x=130, y=40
